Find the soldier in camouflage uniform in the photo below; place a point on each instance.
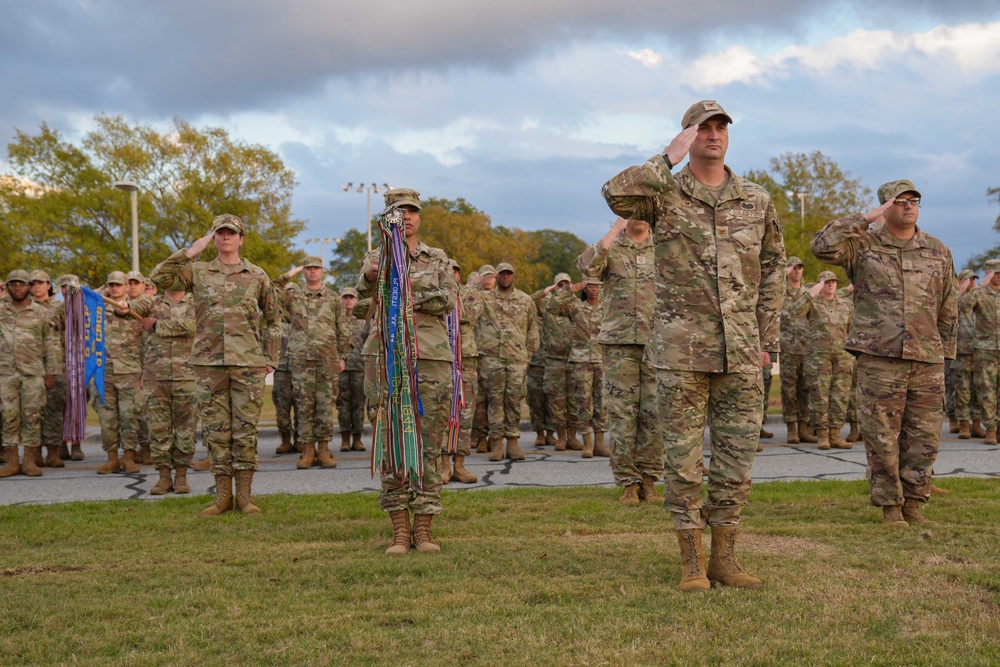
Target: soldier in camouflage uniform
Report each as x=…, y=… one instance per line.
x=238, y=315
x=905, y=322
x=434, y=291
x=64, y=283
x=966, y=406
x=719, y=288
x=30, y=360
x=351, y=383
x=282, y=394
x=122, y=383
x=538, y=404
x=557, y=348
x=828, y=319
x=318, y=342
x=135, y=288
x=624, y=261
x=55, y=398
x=794, y=381
x=984, y=304
x=470, y=308
x=480, y=419
x=168, y=383
x=508, y=338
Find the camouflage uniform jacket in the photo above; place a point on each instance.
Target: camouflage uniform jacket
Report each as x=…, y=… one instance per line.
x=719, y=267
x=558, y=328
x=168, y=348
x=828, y=321
x=471, y=301
x=905, y=296
x=433, y=287
x=231, y=305
x=283, y=362
x=319, y=330
x=508, y=326
x=966, y=325
x=538, y=358
x=123, y=347
x=586, y=319
x=793, y=327
x=359, y=332
x=29, y=341
x=984, y=302
x=627, y=269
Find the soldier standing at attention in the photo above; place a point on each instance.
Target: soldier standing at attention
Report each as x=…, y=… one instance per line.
x=351, y=383
x=967, y=406
x=55, y=398
x=719, y=287
x=794, y=383
x=238, y=330
x=30, y=359
x=135, y=288
x=905, y=322
x=623, y=260
x=319, y=339
x=471, y=307
x=480, y=419
x=984, y=304
x=557, y=348
x=508, y=338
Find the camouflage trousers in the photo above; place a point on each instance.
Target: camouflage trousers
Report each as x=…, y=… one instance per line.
x=503, y=384
x=54, y=413
x=731, y=405
x=831, y=387
x=171, y=411
x=767, y=379
x=852, y=396
x=315, y=385
x=537, y=404
x=900, y=407
x=434, y=379
x=480, y=413
x=987, y=370
x=142, y=426
x=470, y=385
x=371, y=387
x=794, y=388
x=118, y=413
x=587, y=398
x=22, y=398
x=351, y=401
x=284, y=400
x=630, y=399
x=557, y=388
x=966, y=395
x=229, y=400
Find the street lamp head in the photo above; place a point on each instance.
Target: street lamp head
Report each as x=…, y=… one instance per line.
x=127, y=186
x=361, y=188
x=348, y=186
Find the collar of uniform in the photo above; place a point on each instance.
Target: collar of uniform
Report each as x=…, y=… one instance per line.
x=693, y=187
x=918, y=240
x=315, y=292
x=217, y=265
x=420, y=249
x=625, y=240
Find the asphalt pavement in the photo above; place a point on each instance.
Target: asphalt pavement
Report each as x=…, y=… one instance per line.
x=542, y=468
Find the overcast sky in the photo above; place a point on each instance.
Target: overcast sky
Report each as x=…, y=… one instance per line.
x=526, y=107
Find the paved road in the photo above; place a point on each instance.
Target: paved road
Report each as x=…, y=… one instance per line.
x=543, y=468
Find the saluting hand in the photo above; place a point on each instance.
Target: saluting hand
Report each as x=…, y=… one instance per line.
x=295, y=271
x=815, y=290
x=199, y=245
x=678, y=148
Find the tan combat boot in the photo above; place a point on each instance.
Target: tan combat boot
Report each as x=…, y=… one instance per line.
x=836, y=442
x=12, y=466
x=540, y=439
x=244, y=487
x=793, y=433
x=588, y=446
x=550, y=437
x=444, y=468
x=128, y=462
x=402, y=538
x=112, y=465
x=482, y=445
x=296, y=445
x=938, y=491
x=223, y=497
x=461, y=474
x=560, y=442
x=77, y=453
x=806, y=434
x=204, y=464
x=326, y=459
x=144, y=456
x=307, y=458
x=977, y=429
x=630, y=495
x=164, y=485
x=991, y=436
x=64, y=452
x=765, y=434
x=855, y=434
x=953, y=424
x=823, y=438
x=600, y=449
x=722, y=566
x=356, y=443
x=912, y=515
x=514, y=452
x=286, y=443
x=964, y=429
x=693, y=578
x=52, y=459
x=345, y=441
x=496, y=449
x=892, y=517
x=36, y=456
x=571, y=441
x=647, y=490
x=181, y=480
x=422, y=538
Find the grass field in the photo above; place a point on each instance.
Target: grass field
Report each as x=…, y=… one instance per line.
x=527, y=577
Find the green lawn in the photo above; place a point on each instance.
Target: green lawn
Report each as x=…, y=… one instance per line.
x=526, y=577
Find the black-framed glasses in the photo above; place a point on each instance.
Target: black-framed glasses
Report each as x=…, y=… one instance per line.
x=903, y=201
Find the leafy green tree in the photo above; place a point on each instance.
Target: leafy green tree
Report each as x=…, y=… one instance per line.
x=977, y=262
x=71, y=218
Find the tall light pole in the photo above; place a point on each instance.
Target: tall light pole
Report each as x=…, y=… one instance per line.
x=363, y=188
x=323, y=243
x=802, y=210
x=129, y=186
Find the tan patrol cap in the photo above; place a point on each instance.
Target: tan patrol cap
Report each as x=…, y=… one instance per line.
x=592, y=280
x=793, y=261
x=228, y=221
x=487, y=270
x=68, y=279
x=699, y=112
x=116, y=278
x=400, y=197
x=560, y=277
x=18, y=275
x=40, y=276
x=349, y=291
x=504, y=266
x=992, y=265
x=893, y=189
x=967, y=273
x=136, y=276
x=472, y=276
x=313, y=262
x=827, y=275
